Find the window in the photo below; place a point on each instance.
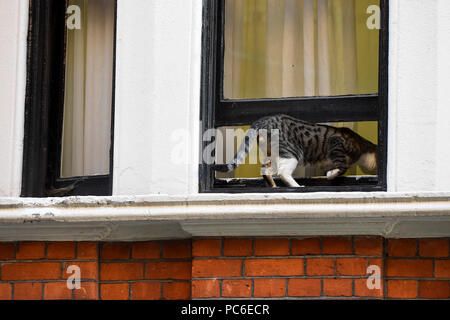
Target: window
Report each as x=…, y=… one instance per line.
x=70, y=98
x=316, y=60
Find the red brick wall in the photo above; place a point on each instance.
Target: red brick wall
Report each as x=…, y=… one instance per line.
x=316, y=267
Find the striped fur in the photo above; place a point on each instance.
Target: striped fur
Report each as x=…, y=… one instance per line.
x=333, y=149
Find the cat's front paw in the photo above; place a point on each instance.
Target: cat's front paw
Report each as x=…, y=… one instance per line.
x=332, y=174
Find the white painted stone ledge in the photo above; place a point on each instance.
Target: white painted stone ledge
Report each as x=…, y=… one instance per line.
x=140, y=218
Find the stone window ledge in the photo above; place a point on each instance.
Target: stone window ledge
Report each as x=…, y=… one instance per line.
x=153, y=217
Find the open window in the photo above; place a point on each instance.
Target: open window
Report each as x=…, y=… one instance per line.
x=70, y=98
x=321, y=61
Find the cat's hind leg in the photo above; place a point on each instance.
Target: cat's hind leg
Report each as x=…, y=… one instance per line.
x=286, y=166
x=267, y=172
x=264, y=142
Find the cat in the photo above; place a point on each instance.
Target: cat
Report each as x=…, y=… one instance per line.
x=302, y=143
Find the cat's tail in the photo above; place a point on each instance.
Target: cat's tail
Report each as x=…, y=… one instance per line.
x=241, y=154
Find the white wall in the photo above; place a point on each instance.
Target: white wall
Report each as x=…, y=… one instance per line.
x=442, y=147
x=13, y=48
x=157, y=96
x=419, y=127
x=158, y=88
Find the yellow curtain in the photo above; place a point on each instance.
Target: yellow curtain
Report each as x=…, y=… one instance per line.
x=88, y=91
x=297, y=48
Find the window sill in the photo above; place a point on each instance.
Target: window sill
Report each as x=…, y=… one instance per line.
x=316, y=184
x=141, y=218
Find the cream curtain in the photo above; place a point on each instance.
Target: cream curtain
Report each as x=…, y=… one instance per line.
x=299, y=48
x=294, y=48
x=88, y=91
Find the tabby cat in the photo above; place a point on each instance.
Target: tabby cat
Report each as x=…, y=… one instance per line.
x=299, y=142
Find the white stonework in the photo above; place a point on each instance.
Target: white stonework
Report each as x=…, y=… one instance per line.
x=134, y=218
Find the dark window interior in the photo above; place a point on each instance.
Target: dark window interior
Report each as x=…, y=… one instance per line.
x=44, y=109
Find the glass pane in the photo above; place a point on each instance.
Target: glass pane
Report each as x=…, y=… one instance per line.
x=299, y=48
x=230, y=138
x=88, y=90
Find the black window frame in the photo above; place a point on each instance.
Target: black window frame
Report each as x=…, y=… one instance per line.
x=44, y=106
x=217, y=111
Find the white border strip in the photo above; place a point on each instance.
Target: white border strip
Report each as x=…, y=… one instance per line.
x=141, y=217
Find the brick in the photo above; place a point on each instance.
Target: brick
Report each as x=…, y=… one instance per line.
x=338, y=287
x=402, y=289
x=115, y=291
x=7, y=251
x=146, y=250
x=351, y=266
x=304, y=288
x=435, y=289
x=146, y=291
x=57, y=291
x=442, y=268
x=168, y=271
x=27, y=291
x=355, y=266
x=177, y=249
x=61, y=250
x=271, y=247
x=87, y=250
x=5, y=291
x=88, y=270
x=409, y=268
x=402, y=247
x=31, y=271
x=216, y=268
x=368, y=246
x=363, y=290
x=121, y=271
x=30, y=251
x=269, y=288
x=433, y=248
x=238, y=247
x=88, y=291
x=320, y=267
x=205, y=289
x=308, y=246
x=336, y=245
x=206, y=248
x=176, y=291
x=274, y=267
x=115, y=251
x=236, y=288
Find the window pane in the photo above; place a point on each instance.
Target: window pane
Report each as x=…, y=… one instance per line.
x=88, y=91
x=230, y=138
x=299, y=48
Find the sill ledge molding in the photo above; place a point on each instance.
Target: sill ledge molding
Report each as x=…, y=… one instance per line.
x=144, y=218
